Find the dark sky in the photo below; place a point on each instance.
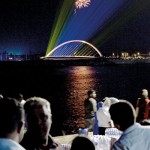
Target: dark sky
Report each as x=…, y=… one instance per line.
x=134, y=35
x=25, y=26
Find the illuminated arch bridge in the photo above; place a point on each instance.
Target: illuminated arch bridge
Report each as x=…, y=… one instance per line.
x=73, y=49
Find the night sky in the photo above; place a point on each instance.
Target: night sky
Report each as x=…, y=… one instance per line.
x=25, y=27
x=134, y=35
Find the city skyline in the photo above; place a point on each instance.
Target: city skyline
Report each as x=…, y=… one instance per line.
x=26, y=27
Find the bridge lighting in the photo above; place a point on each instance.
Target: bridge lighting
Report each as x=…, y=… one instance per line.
x=95, y=24
x=56, y=49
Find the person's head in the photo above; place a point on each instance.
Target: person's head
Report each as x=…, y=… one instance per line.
x=122, y=114
x=38, y=115
x=12, y=120
x=145, y=93
x=91, y=93
x=82, y=142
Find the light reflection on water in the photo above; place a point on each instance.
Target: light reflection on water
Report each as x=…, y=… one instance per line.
x=66, y=87
x=80, y=80
x=123, y=82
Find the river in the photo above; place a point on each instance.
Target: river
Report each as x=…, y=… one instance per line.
x=66, y=87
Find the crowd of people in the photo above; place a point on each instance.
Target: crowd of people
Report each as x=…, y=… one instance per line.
x=133, y=122
x=26, y=124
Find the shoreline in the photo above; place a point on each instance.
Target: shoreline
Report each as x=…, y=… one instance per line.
x=77, y=62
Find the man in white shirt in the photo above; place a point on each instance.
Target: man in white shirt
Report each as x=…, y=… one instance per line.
x=11, y=126
x=135, y=136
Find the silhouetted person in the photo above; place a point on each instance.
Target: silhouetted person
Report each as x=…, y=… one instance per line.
x=11, y=125
x=38, y=116
x=82, y=143
x=90, y=107
x=135, y=136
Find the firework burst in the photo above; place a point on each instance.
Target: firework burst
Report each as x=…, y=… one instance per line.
x=82, y=3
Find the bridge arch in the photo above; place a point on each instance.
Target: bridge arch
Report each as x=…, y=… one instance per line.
x=84, y=53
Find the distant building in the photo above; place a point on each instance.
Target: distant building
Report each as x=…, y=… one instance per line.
x=5, y=56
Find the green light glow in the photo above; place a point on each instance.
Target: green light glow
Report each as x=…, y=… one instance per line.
x=61, y=20
x=103, y=32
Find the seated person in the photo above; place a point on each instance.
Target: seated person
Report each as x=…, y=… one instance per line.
x=38, y=116
x=12, y=125
x=81, y=143
x=134, y=136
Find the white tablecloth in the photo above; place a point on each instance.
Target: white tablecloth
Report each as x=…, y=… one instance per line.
x=101, y=142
